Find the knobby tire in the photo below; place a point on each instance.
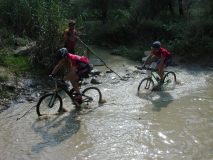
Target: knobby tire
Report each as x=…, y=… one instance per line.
x=169, y=80
x=145, y=86
x=49, y=104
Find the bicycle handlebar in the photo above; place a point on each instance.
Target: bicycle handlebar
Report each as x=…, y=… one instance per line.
x=150, y=69
x=59, y=81
x=147, y=68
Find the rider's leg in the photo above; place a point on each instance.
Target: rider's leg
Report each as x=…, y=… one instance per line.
x=161, y=72
x=74, y=81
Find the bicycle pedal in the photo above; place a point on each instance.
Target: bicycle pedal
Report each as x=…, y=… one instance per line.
x=78, y=103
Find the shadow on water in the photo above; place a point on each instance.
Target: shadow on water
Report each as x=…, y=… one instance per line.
x=162, y=101
x=159, y=99
x=58, y=128
x=55, y=129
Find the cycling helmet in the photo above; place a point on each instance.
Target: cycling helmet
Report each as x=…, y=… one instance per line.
x=61, y=53
x=156, y=44
x=72, y=22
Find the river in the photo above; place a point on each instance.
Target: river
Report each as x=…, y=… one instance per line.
x=174, y=124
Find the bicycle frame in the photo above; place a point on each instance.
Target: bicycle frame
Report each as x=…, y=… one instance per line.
x=151, y=74
x=147, y=83
x=52, y=102
x=65, y=89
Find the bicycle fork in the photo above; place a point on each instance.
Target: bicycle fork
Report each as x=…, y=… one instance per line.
x=148, y=83
x=52, y=100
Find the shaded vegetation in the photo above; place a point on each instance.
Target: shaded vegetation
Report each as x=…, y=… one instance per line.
x=128, y=26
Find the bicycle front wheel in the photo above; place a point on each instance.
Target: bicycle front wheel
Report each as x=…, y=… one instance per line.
x=49, y=104
x=91, y=96
x=146, y=86
x=169, y=80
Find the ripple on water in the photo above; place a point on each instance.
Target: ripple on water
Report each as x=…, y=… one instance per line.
x=172, y=124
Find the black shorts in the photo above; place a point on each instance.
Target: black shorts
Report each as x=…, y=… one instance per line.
x=167, y=62
x=83, y=72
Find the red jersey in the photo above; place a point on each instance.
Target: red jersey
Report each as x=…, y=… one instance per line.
x=78, y=61
x=71, y=40
x=162, y=53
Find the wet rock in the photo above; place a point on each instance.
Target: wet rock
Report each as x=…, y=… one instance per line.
x=126, y=76
x=30, y=99
x=153, y=59
x=95, y=72
x=115, y=82
x=25, y=50
x=95, y=81
x=21, y=101
x=109, y=71
x=85, y=83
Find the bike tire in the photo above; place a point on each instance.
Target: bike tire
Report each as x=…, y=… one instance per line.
x=43, y=106
x=145, y=86
x=91, y=96
x=72, y=94
x=169, y=80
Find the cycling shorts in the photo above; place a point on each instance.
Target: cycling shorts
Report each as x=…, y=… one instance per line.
x=167, y=62
x=83, y=72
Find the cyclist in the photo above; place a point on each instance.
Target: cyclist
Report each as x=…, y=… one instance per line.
x=70, y=37
x=79, y=68
x=165, y=58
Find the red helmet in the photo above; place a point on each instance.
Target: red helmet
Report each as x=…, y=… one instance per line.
x=72, y=22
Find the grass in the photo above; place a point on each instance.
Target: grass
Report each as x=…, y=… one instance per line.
x=17, y=65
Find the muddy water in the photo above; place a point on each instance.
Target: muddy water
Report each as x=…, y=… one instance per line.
x=175, y=124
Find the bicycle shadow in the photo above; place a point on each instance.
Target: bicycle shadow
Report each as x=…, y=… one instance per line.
x=159, y=100
x=55, y=129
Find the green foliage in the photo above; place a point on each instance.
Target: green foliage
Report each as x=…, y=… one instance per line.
x=48, y=20
x=18, y=65
x=125, y=23
x=132, y=52
x=4, y=94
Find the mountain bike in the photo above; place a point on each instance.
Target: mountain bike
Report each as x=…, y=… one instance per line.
x=51, y=103
x=147, y=84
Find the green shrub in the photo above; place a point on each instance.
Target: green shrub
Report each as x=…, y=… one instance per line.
x=18, y=65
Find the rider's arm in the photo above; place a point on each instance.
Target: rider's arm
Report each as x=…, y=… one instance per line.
x=147, y=60
x=61, y=63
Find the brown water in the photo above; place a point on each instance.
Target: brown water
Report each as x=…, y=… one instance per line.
x=174, y=124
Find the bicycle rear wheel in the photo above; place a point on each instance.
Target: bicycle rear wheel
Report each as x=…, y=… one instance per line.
x=169, y=80
x=146, y=86
x=91, y=96
x=49, y=104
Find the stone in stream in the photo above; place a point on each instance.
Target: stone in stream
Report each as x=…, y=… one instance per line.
x=95, y=72
x=95, y=81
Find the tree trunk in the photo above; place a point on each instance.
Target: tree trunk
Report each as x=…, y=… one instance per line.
x=180, y=2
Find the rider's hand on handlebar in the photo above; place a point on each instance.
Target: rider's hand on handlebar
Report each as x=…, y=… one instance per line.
x=51, y=75
x=143, y=66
